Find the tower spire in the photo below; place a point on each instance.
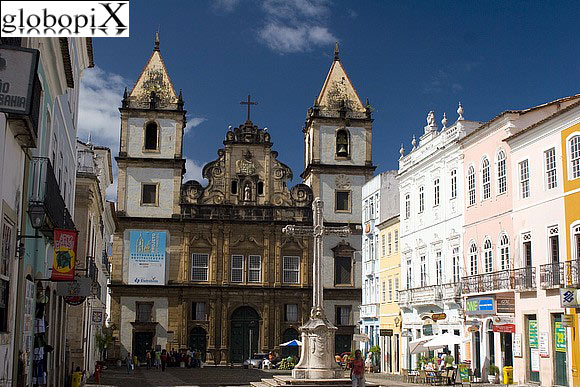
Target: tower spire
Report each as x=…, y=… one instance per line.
x=157, y=40
x=336, y=56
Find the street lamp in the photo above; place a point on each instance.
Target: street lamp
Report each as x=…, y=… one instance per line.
x=37, y=216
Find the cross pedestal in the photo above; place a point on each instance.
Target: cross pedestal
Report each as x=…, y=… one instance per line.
x=317, y=355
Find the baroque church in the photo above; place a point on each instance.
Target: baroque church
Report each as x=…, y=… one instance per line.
x=209, y=267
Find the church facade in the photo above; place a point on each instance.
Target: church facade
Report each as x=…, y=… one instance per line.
x=204, y=267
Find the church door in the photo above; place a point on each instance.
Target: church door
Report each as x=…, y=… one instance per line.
x=142, y=342
x=197, y=341
x=244, y=334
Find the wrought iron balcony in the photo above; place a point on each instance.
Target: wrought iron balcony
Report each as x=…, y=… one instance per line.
x=488, y=282
x=560, y=274
x=425, y=295
x=369, y=311
x=525, y=279
x=45, y=197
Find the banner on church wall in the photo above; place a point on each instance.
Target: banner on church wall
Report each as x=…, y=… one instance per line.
x=147, y=257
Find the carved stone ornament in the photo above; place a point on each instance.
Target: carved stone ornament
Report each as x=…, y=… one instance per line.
x=190, y=192
x=342, y=182
x=246, y=166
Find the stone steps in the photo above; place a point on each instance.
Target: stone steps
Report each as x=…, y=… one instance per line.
x=283, y=380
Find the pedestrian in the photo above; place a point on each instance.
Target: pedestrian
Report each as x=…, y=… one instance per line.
x=128, y=362
x=77, y=377
x=148, y=359
x=157, y=359
x=357, y=370
x=163, y=360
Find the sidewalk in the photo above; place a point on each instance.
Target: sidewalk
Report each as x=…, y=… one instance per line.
x=397, y=381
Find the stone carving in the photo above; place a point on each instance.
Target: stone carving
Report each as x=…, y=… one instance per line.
x=246, y=166
x=342, y=182
x=190, y=192
x=431, y=118
x=301, y=195
x=247, y=192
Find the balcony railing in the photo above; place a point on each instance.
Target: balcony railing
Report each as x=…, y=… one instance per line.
x=525, y=278
x=369, y=310
x=421, y=296
x=451, y=291
x=488, y=282
x=45, y=195
x=560, y=274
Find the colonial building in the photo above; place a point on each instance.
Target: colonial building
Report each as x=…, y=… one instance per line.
x=338, y=162
x=204, y=267
x=431, y=186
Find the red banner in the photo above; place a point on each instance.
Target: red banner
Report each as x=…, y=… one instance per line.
x=65, y=254
x=504, y=328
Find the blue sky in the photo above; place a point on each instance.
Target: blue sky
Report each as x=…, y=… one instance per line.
x=408, y=57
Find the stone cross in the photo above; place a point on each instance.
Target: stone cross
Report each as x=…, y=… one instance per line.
x=249, y=103
x=317, y=360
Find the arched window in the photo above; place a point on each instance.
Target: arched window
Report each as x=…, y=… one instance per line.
x=471, y=185
x=485, y=178
x=504, y=252
x=151, y=136
x=487, y=256
x=501, y=173
x=575, y=156
x=473, y=259
x=342, y=143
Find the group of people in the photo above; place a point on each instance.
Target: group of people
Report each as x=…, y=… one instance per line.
x=155, y=359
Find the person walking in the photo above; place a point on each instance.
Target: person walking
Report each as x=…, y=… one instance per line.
x=128, y=361
x=357, y=370
x=148, y=359
x=157, y=359
x=163, y=360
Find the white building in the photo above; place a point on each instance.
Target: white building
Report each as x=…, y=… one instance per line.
x=380, y=201
x=431, y=189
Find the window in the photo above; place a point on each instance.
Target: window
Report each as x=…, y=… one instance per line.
x=421, y=199
x=486, y=181
x=504, y=252
x=409, y=274
x=151, y=136
x=149, y=194
x=6, y=255
x=390, y=289
x=237, y=274
x=234, y=187
x=396, y=288
x=343, y=315
x=198, y=311
x=291, y=312
x=456, y=273
x=473, y=259
x=471, y=185
x=390, y=244
x=384, y=292
x=342, y=145
x=199, y=267
x=487, y=256
x=575, y=156
x=577, y=241
x=501, y=173
x=524, y=179
x=291, y=270
x=454, y=184
x=528, y=253
x=551, y=179
x=255, y=268
x=554, y=248
x=343, y=201
x=342, y=270
x=407, y=206
x=436, y=192
x=144, y=312
x=383, y=250
x=396, y=238
x=372, y=208
x=423, y=271
x=372, y=250
x=438, y=267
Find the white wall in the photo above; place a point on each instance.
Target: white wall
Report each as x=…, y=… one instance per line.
x=328, y=146
x=136, y=176
x=137, y=138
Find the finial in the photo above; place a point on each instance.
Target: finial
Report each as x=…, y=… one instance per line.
x=157, y=40
x=414, y=143
x=89, y=139
x=402, y=151
x=229, y=127
x=336, y=57
x=180, y=101
x=460, y=111
x=431, y=118
x=315, y=102
x=444, y=120
x=367, y=104
x=265, y=129
x=125, y=93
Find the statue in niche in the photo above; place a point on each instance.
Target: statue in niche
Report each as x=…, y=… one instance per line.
x=247, y=193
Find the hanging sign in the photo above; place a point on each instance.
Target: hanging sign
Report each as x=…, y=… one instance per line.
x=544, y=346
x=80, y=287
x=18, y=66
x=65, y=252
x=568, y=320
x=97, y=317
x=517, y=344
x=533, y=333
x=569, y=298
x=559, y=337
x=438, y=316
x=475, y=306
x=74, y=300
x=535, y=359
x=504, y=328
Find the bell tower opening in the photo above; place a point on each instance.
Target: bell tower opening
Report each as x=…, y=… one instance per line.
x=342, y=143
x=151, y=136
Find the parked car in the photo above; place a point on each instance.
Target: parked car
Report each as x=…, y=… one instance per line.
x=255, y=361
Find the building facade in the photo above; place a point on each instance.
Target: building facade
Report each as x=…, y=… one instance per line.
x=199, y=267
x=338, y=162
x=431, y=187
x=390, y=317
x=38, y=161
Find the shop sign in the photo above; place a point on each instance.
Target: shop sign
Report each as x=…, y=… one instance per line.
x=65, y=252
x=559, y=337
x=480, y=306
x=74, y=300
x=501, y=320
x=80, y=287
x=504, y=328
x=569, y=298
x=535, y=359
x=386, y=332
x=97, y=317
x=517, y=344
x=568, y=320
x=544, y=346
x=473, y=328
x=147, y=256
x=438, y=316
x=18, y=67
x=505, y=303
x=533, y=333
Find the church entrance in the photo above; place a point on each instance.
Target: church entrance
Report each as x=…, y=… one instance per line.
x=288, y=335
x=198, y=341
x=142, y=342
x=244, y=334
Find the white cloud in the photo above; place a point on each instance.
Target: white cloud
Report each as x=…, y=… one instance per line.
x=226, y=6
x=192, y=122
x=193, y=171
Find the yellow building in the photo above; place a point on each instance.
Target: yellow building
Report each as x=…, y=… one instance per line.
x=571, y=174
x=389, y=277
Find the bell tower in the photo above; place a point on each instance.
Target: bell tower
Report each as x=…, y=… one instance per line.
x=150, y=159
x=338, y=146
